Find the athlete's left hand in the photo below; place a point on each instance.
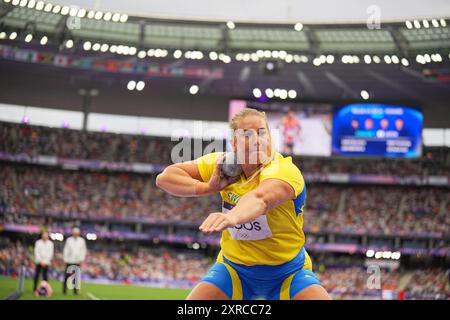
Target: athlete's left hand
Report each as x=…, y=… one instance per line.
x=217, y=222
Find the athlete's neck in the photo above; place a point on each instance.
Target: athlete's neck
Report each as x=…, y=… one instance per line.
x=250, y=169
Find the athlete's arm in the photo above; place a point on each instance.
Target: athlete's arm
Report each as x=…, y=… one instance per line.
x=184, y=180
x=269, y=194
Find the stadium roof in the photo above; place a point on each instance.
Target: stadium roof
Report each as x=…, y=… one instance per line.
x=270, y=11
x=401, y=61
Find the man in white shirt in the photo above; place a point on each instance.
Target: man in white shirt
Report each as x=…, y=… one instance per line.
x=74, y=254
x=43, y=255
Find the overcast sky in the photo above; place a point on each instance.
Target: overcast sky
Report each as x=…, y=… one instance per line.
x=313, y=11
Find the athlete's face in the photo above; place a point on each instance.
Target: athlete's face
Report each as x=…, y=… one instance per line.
x=252, y=140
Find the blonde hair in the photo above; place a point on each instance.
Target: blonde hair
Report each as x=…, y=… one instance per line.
x=245, y=113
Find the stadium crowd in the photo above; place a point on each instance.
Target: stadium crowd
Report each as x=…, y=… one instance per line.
x=163, y=264
x=375, y=209
x=38, y=191
x=434, y=161
x=67, y=143
x=116, y=264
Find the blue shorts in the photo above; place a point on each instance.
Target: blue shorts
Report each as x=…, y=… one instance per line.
x=281, y=282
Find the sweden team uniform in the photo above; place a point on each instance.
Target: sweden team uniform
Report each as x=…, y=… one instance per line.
x=264, y=258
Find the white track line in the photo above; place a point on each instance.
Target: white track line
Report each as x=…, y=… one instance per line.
x=92, y=297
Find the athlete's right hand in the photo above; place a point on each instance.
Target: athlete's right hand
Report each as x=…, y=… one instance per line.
x=218, y=180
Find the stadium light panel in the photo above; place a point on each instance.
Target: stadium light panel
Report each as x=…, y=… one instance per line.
x=370, y=253
x=87, y=45
x=277, y=92
x=56, y=9
x=116, y=17
x=292, y=94
x=140, y=86
x=194, y=89
x=96, y=47
x=365, y=95
x=65, y=10
x=123, y=18
x=298, y=26
x=323, y=59
x=98, y=15
x=69, y=43
x=177, y=54
x=213, y=55
x=104, y=47
x=29, y=37
x=73, y=12
x=142, y=54
x=420, y=59
x=81, y=13
x=39, y=5
x=269, y=93
x=107, y=16
x=131, y=85
x=132, y=51
x=48, y=7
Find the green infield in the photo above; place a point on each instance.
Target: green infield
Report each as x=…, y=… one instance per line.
x=91, y=291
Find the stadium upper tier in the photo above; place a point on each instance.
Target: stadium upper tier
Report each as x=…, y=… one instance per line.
x=62, y=23
x=21, y=139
